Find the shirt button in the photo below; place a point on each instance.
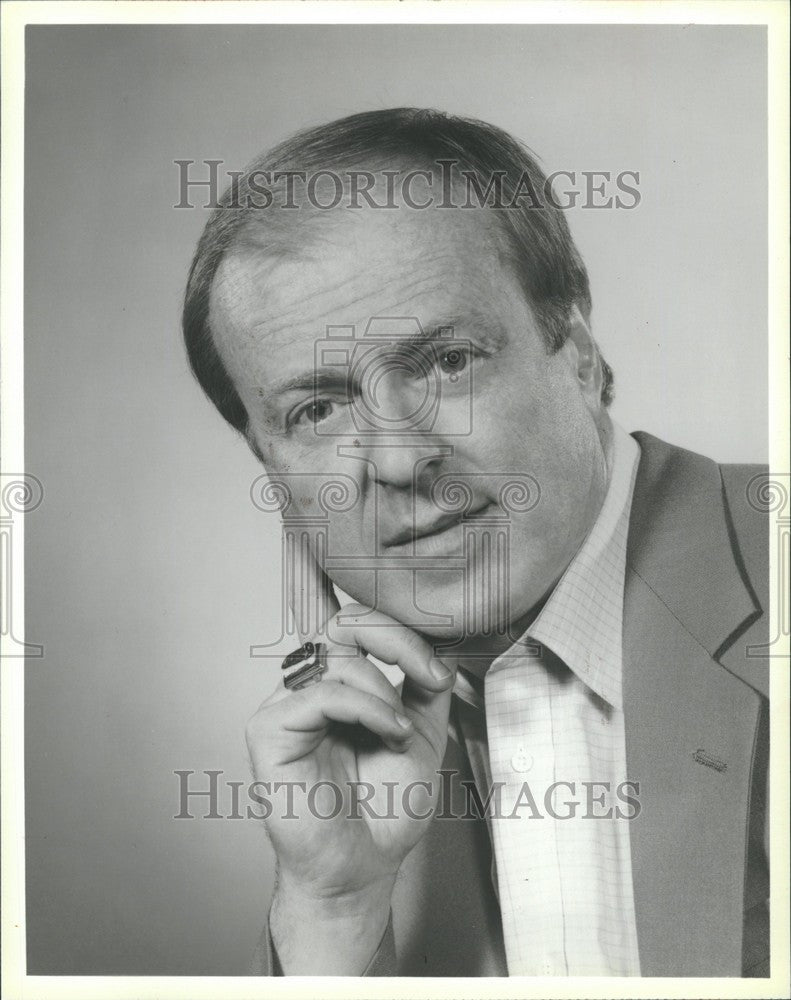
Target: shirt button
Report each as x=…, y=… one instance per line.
x=521, y=761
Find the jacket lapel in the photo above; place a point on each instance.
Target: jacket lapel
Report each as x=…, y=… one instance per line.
x=690, y=724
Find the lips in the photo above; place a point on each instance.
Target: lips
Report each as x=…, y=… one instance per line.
x=414, y=532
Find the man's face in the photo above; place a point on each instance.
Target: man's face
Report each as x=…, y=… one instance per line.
x=476, y=399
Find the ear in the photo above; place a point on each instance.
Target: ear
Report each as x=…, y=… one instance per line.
x=584, y=358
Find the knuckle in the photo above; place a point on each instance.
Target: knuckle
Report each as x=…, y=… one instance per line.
x=354, y=608
x=339, y=630
x=350, y=613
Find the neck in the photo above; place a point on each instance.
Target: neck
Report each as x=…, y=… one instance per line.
x=477, y=652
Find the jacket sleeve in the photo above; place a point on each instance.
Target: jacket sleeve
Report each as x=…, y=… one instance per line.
x=266, y=963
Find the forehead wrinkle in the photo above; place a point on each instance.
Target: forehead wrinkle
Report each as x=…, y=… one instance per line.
x=427, y=250
x=297, y=314
x=296, y=311
x=405, y=270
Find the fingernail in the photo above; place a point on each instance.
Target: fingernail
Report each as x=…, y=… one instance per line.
x=403, y=721
x=439, y=670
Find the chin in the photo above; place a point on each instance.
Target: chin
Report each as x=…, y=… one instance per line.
x=449, y=605
x=443, y=606
x=431, y=602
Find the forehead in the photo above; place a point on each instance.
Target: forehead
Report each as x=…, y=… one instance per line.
x=268, y=310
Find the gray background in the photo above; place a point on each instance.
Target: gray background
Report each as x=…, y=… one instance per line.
x=149, y=571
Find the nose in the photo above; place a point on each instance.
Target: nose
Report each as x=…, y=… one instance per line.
x=398, y=462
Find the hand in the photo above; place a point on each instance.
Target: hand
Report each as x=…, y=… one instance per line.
x=338, y=873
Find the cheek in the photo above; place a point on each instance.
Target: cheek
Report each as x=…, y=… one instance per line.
x=550, y=437
x=346, y=534
x=289, y=455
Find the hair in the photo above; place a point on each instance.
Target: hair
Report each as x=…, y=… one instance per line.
x=537, y=237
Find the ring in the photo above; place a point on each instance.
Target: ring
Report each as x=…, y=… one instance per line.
x=304, y=666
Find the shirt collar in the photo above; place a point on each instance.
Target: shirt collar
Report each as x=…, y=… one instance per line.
x=582, y=620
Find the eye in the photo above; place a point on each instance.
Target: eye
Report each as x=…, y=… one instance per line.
x=315, y=412
x=453, y=360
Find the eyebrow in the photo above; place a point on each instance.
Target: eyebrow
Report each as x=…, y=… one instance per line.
x=485, y=327
x=491, y=332
x=316, y=378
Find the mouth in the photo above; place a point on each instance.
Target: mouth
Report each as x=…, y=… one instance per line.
x=411, y=535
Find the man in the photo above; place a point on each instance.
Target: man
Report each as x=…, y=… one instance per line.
x=393, y=303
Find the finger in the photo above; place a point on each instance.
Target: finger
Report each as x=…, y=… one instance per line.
x=359, y=672
x=355, y=671
x=309, y=711
x=310, y=595
x=428, y=680
x=432, y=707
x=391, y=642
